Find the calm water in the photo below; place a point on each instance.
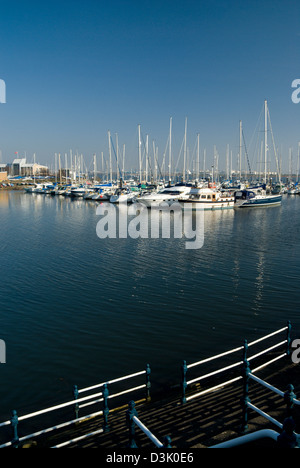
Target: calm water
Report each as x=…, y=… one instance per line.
x=76, y=309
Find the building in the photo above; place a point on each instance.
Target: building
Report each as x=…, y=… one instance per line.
x=21, y=168
x=17, y=167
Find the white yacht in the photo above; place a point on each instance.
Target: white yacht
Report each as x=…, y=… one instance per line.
x=123, y=195
x=167, y=194
x=208, y=199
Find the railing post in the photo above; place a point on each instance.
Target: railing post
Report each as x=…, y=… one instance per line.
x=148, y=383
x=288, y=338
x=167, y=442
x=75, y=395
x=246, y=399
x=105, y=394
x=130, y=413
x=288, y=438
x=245, y=350
x=14, y=424
x=183, y=381
x=289, y=399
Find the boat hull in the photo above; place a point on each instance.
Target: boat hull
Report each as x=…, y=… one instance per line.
x=207, y=206
x=260, y=202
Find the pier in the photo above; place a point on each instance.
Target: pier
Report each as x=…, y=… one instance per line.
x=249, y=401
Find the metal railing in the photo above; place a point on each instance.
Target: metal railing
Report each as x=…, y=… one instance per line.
x=289, y=398
x=243, y=350
x=103, y=395
x=249, y=438
x=78, y=403
x=132, y=420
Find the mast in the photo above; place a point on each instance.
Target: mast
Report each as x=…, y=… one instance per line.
x=59, y=162
x=227, y=162
x=140, y=154
x=123, y=171
x=184, y=155
x=240, y=158
x=170, y=151
x=117, y=144
x=298, y=161
x=147, y=157
x=198, y=157
x=95, y=168
x=110, y=166
x=266, y=140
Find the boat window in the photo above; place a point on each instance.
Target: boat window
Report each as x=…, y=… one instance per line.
x=208, y=197
x=203, y=197
x=171, y=192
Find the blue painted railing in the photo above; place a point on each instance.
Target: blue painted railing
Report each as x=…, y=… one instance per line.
x=243, y=350
x=77, y=404
x=103, y=395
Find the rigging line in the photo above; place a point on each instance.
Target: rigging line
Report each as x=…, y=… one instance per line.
x=246, y=152
x=144, y=152
x=158, y=166
x=274, y=147
x=180, y=152
x=116, y=157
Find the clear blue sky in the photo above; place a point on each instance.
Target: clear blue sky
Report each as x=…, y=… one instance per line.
x=76, y=69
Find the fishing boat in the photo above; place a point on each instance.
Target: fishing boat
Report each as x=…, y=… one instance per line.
x=208, y=199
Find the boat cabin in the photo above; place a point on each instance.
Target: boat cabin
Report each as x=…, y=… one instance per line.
x=244, y=195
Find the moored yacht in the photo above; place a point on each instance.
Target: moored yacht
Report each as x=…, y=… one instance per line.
x=208, y=199
x=167, y=195
x=123, y=195
x=256, y=197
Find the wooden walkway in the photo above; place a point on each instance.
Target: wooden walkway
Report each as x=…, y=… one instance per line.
x=200, y=423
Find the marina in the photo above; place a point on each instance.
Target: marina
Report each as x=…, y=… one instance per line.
x=149, y=228
x=76, y=310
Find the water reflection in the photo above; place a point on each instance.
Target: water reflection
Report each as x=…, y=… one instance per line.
x=125, y=302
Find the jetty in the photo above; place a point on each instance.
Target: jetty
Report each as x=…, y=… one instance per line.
x=249, y=401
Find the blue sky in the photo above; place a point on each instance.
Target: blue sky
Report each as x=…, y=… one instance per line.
x=75, y=70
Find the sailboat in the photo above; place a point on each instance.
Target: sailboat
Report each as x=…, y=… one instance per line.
x=258, y=196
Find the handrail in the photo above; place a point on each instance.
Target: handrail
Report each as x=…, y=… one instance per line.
x=102, y=396
x=265, y=384
x=271, y=387
x=254, y=436
x=109, y=382
x=264, y=415
x=147, y=432
x=185, y=367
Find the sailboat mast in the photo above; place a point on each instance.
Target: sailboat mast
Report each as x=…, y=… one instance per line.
x=140, y=154
x=266, y=140
x=110, y=163
x=184, y=155
x=240, y=158
x=170, y=151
